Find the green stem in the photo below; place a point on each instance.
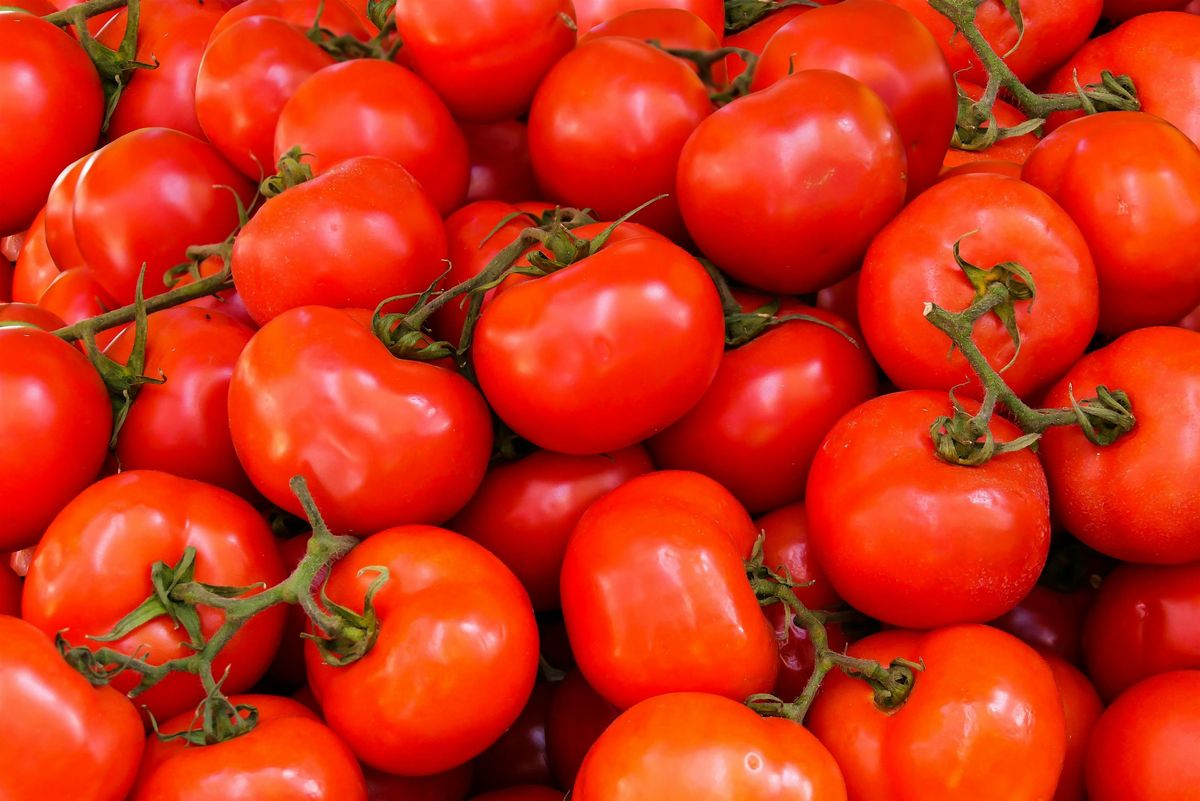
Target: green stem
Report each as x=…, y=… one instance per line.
x=67, y=17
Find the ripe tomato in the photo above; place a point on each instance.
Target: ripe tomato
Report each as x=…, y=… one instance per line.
x=382, y=441
x=76, y=295
x=10, y=589
x=984, y=703
x=628, y=339
x=656, y=600
x=501, y=167
x=519, y=756
x=228, y=302
x=59, y=218
x=1143, y=746
x=1006, y=168
x=455, y=627
x=287, y=668
x=524, y=511
x=767, y=199
x=755, y=37
x=452, y=785
x=1081, y=709
x=1050, y=621
x=1144, y=514
x=359, y=233
x=671, y=28
x=787, y=552
x=591, y=13
x=1015, y=149
x=706, y=748
x=578, y=716
x=51, y=105
x=1121, y=10
x=335, y=16
x=28, y=313
x=55, y=422
x=145, y=198
x=975, y=539
x=890, y=51
x=148, y=517
x=997, y=219
x=288, y=755
x=63, y=737
x=34, y=270
x=700, y=494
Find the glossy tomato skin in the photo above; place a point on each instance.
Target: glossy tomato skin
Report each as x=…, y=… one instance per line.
x=520, y=756
x=1143, y=746
x=55, y=421
x=350, y=238
x=289, y=754
x=1050, y=621
x=786, y=551
x=578, y=716
x=145, y=198
x=1014, y=149
x=770, y=405
x=181, y=426
x=628, y=339
x=985, y=702
x=149, y=517
x=452, y=785
x=456, y=627
x=765, y=196
x=525, y=511
x=28, y=313
x=705, y=748
x=52, y=107
x=1081, y=709
x=1145, y=513
x=590, y=13
x=59, y=217
x=890, y=51
x=996, y=219
x=656, y=600
x=65, y=738
x=77, y=295
x=315, y=394
x=1140, y=211
x=335, y=16
x=672, y=28
x=34, y=269
x=925, y=543
x=501, y=167
x=755, y=37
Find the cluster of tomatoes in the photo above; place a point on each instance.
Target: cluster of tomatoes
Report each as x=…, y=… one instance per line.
x=647, y=400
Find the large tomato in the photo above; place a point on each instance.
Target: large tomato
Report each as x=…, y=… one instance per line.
x=59, y=217
x=63, y=738
x=997, y=219
x=35, y=269
x=148, y=517
x=455, y=630
x=767, y=198
x=985, y=703
x=55, y=421
x=1081, y=709
x=1050, y=621
x=1145, y=513
x=670, y=28
x=28, y=313
x=501, y=167
x=578, y=716
x=335, y=16
x=755, y=37
x=913, y=541
x=591, y=13
x=76, y=295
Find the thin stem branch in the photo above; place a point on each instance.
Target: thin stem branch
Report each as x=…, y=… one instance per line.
x=67, y=17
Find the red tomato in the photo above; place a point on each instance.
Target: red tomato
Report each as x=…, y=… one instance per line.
x=59, y=218
x=974, y=539
x=288, y=666
x=288, y=755
x=842, y=299
x=6, y=269
x=755, y=37
x=985, y=703
x=455, y=627
x=525, y=793
x=1014, y=149
x=334, y=16
x=706, y=748
x=51, y=106
x=671, y=28
x=1005, y=168
x=767, y=199
x=585, y=152
x=453, y=785
x=1143, y=747
x=890, y=51
x=772, y=402
x=34, y=270
x=578, y=716
x=628, y=339
x=76, y=295
x=591, y=13
x=997, y=219
x=501, y=167
x=55, y=422
x=519, y=757
x=1145, y=513
x=228, y=302
x=796, y=656
x=786, y=551
x=1050, y=621
x=1081, y=710
x=28, y=313
x=145, y=198
x=63, y=737
x=524, y=511
x=10, y=589
x=357, y=234
x=148, y=517
x=656, y=600
x=1121, y=10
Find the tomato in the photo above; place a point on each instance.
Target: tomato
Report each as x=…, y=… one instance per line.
x=1081, y=710
x=381, y=441
x=770, y=405
x=1143, y=746
x=655, y=597
x=1121, y=10
x=52, y=106
x=63, y=737
x=705, y=748
x=1014, y=149
x=247, y=73
x=455, y=628
x=1144, y=514
x=287, y=668
x=1053, y=30
x=996, y=219
x=228, y=302
x=1050, y=621
x=501, y=167
x=77, y=295
x=1140, y=212
x=890, y=51
x=335, y=16
x=525, y=793
x=786, y=551
x=671, y=28
x=59, y=218
x=289, y=754
x=984, y=703
x=1006, y=168
x=578, y=716
x=524, y=511
x=628, y=339
x=453, y=785
x=148, y=517
x=182, y=425
x=767, y=199
x=519, y=756
x=973, y=540
x=842, y=299
x=591, y=13
x=755, y=37
x=34, y=270
x=28, y=313
x=10, y=589
x=699, y=494
x=585, y=154
x=357, y=234
x=55, y=422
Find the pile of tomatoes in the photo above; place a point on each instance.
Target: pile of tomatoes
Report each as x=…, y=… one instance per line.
x=640, y=400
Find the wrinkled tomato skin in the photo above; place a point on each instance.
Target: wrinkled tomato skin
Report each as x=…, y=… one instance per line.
x=1050, y=621
x=520, y=756
x=590, y=13
x=59, y=218
x=501, y=167
x=34, y=269
x=578, y=716
x=1081, y=709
